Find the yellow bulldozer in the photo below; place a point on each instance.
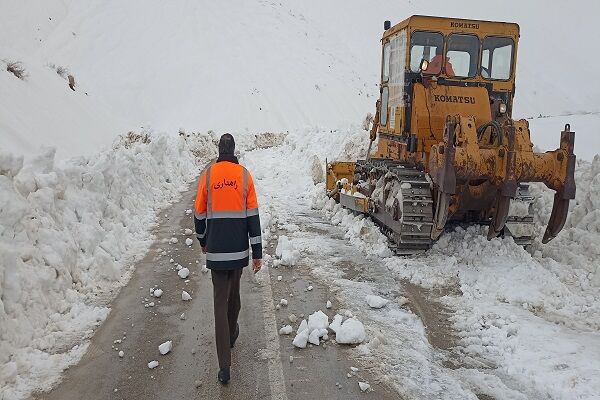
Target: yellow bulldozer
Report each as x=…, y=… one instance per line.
x=448, y=150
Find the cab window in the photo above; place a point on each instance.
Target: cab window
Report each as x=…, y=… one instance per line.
x=385, y=72
x=462, y=55
x=496, y=58
x=426, y=46
x=383, y=114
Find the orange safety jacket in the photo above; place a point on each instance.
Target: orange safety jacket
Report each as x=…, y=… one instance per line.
x=226, y=215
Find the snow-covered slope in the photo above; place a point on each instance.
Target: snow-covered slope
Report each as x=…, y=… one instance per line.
x=248, y=66
x=69, y=235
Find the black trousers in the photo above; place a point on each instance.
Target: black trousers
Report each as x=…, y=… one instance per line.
x=227, y=304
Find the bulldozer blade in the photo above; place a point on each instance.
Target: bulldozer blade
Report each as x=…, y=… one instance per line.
x=499, y=218
x=560, y=209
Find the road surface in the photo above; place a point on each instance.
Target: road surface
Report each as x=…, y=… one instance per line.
x=265, y=365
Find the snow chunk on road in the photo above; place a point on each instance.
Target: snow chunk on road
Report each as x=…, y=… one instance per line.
x=328, y=305
x=286, y=252
x=188, y=212
x=364, y=386
x=313, y=337
x=183, y=273
x=376, y=301
x=153, y=364
x=303, y=326
x=301, y=339
x=165, y=347
x=283, y=302
x=189, y=242
x=173, y=240
x=121, y=354
x=188, y=231
x=336, y=323
x=318, y=320
x=185, y=296
x=157, y=293
x=352, y=331
x=286, y=330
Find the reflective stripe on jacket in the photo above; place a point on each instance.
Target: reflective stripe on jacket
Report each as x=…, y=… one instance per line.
x=226, y=215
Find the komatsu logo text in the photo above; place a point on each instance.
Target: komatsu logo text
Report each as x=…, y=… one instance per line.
x=444, y=98
x=464, y=25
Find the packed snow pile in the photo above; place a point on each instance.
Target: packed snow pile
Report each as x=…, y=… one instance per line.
x=70, y=231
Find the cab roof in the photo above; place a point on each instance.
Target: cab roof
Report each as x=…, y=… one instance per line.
x=447, y=25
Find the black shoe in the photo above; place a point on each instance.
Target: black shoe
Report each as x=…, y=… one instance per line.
x=224, y=375
x=235, y=335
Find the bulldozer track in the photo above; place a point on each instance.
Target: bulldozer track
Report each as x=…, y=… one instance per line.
x=410, y=230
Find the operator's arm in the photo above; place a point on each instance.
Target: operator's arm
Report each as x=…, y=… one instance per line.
x=200, y=210
x=253, y=220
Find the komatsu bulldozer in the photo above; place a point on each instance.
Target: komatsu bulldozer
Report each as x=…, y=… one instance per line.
x=447, y=149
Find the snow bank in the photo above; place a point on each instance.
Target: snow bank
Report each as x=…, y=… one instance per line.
x=578, y=244
x=69, y=232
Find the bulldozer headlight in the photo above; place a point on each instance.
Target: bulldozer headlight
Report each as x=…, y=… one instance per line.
x=424, y=65
x=502, y=108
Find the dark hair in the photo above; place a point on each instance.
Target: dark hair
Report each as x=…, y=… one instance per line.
x=226, y=144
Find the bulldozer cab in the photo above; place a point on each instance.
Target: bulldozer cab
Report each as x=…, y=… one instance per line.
x=433, y=67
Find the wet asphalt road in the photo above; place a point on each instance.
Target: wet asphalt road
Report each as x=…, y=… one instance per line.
x=261, y=359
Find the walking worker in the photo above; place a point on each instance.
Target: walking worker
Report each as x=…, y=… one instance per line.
x=227, y=220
